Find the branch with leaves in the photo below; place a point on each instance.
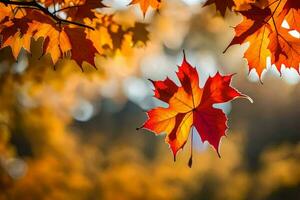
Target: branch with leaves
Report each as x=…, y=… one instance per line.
x=37, y=6
x=261, y=27
x=77, y=31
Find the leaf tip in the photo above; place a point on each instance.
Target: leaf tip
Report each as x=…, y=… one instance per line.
x=248, y=98
x=260, y=80
x=226, y=49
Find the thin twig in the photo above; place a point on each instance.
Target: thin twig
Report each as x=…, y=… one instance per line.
x=35, y=5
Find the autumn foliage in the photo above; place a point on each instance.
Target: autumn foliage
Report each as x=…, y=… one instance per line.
x=81, y=30
x=69, y=133
x=73, y=29
x=77, y=24
x=262, y=28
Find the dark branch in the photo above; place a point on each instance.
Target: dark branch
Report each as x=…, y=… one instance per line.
x=35, y=5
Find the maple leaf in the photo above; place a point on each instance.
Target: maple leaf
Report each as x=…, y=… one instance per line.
x=4, y=12
x=83, y=9
x=237, y=5
x=14, y=34
x=221, y=5
x=141, y=33
x=190, y=105
x=261, y=27
x=82, y=48
x=145, y=4
x=56, y=42
x=253, y=29
x=292, y=11
x=285, y=48
x=117, y=35
x=17, y=34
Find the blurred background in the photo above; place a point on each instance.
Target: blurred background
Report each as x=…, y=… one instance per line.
x=68, y=134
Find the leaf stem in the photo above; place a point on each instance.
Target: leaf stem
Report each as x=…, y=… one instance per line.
x=190, y=163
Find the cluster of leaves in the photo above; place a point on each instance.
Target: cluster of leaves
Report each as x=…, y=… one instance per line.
x=262, y=28
x=77, y=25
x=75, y=29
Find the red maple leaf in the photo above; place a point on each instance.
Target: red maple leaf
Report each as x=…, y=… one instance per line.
x=83, y=9
x=190, y=105
x=82, y=48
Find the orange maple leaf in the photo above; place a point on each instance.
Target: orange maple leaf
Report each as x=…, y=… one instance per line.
x=190, y=105
x=262, y=28
x=292, y=11
x=236, y=5
x=221, y=5
x=145, y=4
x=14, y=34
x=5, y=12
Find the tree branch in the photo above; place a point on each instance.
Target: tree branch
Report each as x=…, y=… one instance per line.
x=33, y=4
